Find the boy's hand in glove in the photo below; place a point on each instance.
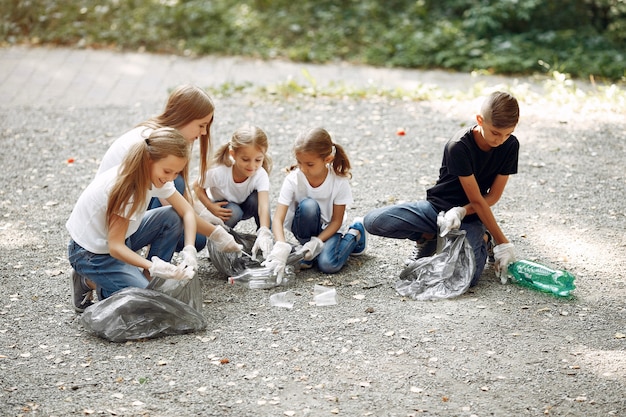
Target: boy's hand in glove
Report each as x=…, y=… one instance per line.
x=451, y=220
x=264, y=242
x=313, y=248
x=277, y=259
x=224, y=241
x=504, y=255
x=190, y=257
x=166, y=270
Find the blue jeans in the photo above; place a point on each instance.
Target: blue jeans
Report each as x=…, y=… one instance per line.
x=244, y=211
x=160, y=228
x=413, y=220
x=179, y=183
x=307, y=223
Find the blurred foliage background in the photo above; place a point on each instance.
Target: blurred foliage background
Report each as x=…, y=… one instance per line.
x=582, y=38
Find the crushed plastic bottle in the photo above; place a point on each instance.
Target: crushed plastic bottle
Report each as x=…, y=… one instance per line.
x=263, y=278
x=540, y=277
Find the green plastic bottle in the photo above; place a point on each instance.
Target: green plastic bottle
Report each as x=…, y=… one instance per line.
x=542, y=278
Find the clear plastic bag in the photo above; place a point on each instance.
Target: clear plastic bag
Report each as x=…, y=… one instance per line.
x=447, y=274
x=137, y=313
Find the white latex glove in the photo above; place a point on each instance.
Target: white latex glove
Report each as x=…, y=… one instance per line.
x=264, y=241
x=277, y=259
x=451, y=220
x=166, y=270
x=224, y=241
x=504, y=255
x=206, y=215
x=190, y=257
x=313, y=248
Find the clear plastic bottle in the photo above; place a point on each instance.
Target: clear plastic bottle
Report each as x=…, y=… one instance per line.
x=263, y=278
x=542, y=278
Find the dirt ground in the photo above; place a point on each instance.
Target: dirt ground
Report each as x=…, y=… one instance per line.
x=494, y=351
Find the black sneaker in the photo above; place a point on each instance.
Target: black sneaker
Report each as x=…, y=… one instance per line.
x=490, y=245
x=422, y=249
x=82, y=295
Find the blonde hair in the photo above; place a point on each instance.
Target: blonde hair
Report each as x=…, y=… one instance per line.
x=243, y=137
x=184, y=105
x=318, y=141
x=501, y=110
x=134, y=179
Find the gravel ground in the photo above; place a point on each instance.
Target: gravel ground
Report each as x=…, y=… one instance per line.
x=495, y=351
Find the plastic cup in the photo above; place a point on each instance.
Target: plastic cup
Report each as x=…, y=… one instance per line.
x=282, y=299
x=324, y=296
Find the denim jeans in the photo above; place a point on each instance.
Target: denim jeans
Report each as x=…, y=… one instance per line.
x=413, y=220
x=200, y=243
x=160, y=228
x=307, y=223
x=244, y=211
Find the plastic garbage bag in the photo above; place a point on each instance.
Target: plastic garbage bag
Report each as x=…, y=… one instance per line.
x=447, y=274
x=186, y=291
x=137, y=313
x=230, y=264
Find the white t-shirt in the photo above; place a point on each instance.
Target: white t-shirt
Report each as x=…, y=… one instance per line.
x=119, y=149
x=219, y=184
x=87, y=223
x=335, y=190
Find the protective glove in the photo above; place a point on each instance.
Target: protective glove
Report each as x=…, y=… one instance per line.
x=224, y=241
x=451, y=220
x=504, y=254
x=264, y=242
x=277, y=259
x=190, y=257
x=312, y=248
x=206, y=215
x=166, y=270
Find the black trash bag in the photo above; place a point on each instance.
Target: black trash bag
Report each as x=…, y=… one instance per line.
x=447, y=274
x=187, y=291
x=229, y=264
x=137, y=313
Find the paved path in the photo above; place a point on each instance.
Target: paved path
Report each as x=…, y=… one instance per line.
x=83, y=77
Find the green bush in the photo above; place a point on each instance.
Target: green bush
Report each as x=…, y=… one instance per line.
x=579, y=37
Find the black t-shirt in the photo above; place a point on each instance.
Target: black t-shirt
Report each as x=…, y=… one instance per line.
x=462, y=157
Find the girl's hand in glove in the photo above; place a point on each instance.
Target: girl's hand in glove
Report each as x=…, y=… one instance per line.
x=312, y=248
x=277, y=259
x=224, y=241
x=166, y=270
x=451, y=220
x=264, y=241
x=190, y=257
x=504, y=255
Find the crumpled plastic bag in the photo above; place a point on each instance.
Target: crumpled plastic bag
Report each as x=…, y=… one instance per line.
x=230, y=264
x=186, y=291
x=138, y=313
x=447, y=274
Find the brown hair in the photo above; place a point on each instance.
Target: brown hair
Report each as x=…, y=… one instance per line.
x=133, y=179
x=501, y=110
x=243, y=137
x=184, y=105
x=318, y=141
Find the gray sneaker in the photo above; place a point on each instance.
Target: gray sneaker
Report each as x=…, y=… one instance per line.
x=423, y=248
x=82, y=295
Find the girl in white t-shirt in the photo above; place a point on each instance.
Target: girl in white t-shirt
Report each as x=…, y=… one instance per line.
x=236, y=188
x=189, y=109
x=111, y=221
x=312, y=204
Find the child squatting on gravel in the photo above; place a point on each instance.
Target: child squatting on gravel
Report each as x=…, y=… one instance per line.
x=111, y=221
x=312, y=204
x=189, y=109
x=477, y=162
x=237, y=186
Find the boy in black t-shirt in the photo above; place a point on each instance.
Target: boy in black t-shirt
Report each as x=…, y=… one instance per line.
x=476, y=165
